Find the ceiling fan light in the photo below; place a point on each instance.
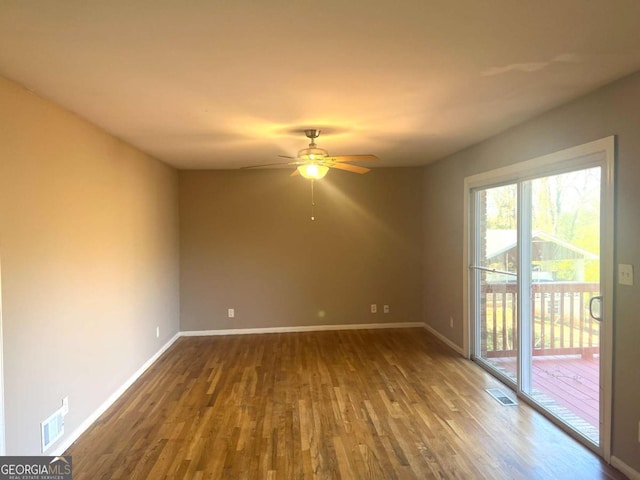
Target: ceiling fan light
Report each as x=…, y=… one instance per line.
x=313, y=171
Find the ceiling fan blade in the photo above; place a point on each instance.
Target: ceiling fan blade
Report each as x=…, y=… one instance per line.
x=351, y=158
x=295, y=173
x=267, y=165
x=287, y=156
x=350, y=168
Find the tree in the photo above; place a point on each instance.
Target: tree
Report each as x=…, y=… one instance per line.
x=566, y=206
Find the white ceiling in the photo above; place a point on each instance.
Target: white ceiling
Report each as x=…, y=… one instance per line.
x=224, y=84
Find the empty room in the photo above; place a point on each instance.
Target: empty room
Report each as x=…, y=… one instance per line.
x=335, y=240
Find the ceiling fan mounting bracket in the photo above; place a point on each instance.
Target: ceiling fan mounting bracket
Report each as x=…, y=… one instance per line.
x=312, y=134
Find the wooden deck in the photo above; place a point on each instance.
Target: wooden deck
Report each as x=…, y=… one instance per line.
x=566, y=384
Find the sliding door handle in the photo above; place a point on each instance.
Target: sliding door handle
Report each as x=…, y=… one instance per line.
x=595, y=308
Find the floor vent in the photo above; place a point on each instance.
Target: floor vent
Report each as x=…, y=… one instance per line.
x=500, y=396
x=52, y=429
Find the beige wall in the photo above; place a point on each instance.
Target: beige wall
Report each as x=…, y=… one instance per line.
x=614, y=109
x=89, y=249
x=247, y=242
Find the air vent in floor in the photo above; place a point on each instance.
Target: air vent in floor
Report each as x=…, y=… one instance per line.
x=500, y=396
x=52, y=429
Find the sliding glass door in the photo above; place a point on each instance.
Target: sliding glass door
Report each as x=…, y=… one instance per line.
x=564, y=249
x=496, y=274
x=535, y=291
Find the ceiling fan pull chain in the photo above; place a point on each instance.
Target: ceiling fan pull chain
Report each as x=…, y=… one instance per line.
x=313, y=202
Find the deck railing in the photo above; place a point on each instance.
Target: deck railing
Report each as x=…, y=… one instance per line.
x=562, y=324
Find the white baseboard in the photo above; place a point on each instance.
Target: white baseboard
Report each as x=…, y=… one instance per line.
x=624, y=468
x=444, y=339
x=67, y=441
x=306, y=328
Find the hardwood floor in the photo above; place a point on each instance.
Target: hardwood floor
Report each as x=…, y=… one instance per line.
x=382, y=404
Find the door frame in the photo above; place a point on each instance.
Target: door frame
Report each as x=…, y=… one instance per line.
x=597, y=153
x=3, y=445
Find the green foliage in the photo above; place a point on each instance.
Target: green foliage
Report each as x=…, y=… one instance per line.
x=566, y=206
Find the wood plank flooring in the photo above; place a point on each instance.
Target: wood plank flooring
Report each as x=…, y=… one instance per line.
x=379, y=404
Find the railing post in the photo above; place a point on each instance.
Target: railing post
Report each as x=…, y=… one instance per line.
x=561, y=313
x=589, y=353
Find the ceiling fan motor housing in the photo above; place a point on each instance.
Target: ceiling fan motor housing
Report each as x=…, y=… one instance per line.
x=313, y=153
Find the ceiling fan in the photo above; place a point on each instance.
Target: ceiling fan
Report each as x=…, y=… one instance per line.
x=314, y=163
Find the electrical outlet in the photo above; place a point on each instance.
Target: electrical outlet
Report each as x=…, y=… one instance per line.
x=386, y=309
x=450, y=322
x=374, y=308
x=625, y=274
x=65, y=406
x=231, y=313
x=157, y=332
